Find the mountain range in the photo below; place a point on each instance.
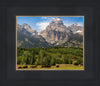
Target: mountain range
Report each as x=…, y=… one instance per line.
x=55, y=34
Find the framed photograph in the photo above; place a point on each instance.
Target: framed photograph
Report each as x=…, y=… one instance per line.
x=49, y=43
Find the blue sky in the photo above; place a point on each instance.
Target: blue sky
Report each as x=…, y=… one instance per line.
x=40, y=23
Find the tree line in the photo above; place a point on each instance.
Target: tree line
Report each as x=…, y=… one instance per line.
x=49, y=56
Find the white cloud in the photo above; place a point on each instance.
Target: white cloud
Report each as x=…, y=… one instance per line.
x=53, y=18
x=44, y=17
x=42, y=25
x=48, y=18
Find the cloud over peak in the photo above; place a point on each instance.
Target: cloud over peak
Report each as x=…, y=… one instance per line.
x=42, y=25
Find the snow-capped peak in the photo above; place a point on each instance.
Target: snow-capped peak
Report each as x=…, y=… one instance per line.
x=57, y=19
x=79, y=31
x=75, y=24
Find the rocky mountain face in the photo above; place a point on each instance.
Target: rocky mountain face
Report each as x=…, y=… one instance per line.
x=29, y=38
x=76, y=29
x=26, y=29
x=56, y=32
x=30, y=41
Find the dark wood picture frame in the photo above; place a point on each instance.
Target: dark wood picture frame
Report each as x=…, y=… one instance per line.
x=8, y=74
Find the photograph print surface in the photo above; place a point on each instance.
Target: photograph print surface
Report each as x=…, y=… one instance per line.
x=49, y=42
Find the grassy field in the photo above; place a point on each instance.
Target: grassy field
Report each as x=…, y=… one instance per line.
x=61, y=67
